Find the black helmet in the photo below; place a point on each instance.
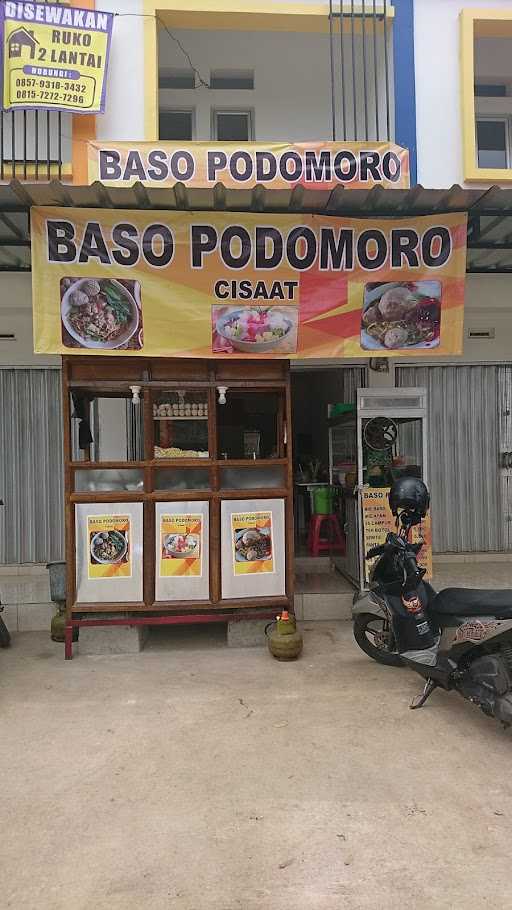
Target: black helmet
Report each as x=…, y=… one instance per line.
x=409, y=494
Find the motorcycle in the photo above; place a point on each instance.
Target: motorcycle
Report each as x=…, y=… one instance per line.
x=459, y=639
x=5, y=638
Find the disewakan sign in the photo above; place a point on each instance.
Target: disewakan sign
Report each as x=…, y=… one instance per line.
x=55, y=57
x=276, y=165
x=218, y=284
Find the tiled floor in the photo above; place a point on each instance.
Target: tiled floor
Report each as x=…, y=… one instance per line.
x=321, y=583
x=479, y=573
x=324, y=594
x=321, y=593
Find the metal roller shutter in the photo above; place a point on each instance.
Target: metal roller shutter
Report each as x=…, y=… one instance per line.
x=463, y=446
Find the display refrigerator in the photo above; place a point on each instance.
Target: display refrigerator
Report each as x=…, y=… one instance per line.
x=370, y=445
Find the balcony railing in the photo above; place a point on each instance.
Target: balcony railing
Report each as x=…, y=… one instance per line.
x=361, y=61
x=34, y=145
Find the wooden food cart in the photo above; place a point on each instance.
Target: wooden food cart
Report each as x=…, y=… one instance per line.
x=178, y=490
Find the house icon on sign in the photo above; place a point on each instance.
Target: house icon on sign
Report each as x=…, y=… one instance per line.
x=20, y=39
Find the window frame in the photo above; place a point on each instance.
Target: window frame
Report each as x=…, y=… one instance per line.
x=233, y=75
x=248, y=111
x=493, y=23
x=176, y=73
x=178, y=109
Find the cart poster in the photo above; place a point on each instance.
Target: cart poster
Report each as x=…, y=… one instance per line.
x=181, y=545
x=109, y=546
x=55, y=57
x=252, y=543
x=378, y=519
x=274, y=165
x=243, y=285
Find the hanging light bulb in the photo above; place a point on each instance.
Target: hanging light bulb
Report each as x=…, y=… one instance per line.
x=135, y=390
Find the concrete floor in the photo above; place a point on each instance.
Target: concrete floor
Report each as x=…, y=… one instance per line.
x=205, y=778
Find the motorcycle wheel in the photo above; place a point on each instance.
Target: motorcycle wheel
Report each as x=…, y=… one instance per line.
x=5, y=638
x=376, y=639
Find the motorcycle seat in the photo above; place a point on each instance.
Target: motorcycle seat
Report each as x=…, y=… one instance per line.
x=473, y=602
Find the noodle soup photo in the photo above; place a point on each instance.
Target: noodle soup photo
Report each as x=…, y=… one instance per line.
x=101, y=313
x=401, y=315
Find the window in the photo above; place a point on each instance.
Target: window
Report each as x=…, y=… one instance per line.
x=492, y=142
x=176, y=125
x=486, y=83
x=491, y=90
x=232, y=126
x=232, y=79
x=177, y=79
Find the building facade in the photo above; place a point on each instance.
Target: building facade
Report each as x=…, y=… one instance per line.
x=431, y=75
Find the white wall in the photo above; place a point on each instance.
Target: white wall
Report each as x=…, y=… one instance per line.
x=438, y=88
x=16, y=317
x=488, y=305
x=124, y=114
x=292, y=82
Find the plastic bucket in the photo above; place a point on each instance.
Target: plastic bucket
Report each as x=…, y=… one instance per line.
x=57, y=572
x=322, y=501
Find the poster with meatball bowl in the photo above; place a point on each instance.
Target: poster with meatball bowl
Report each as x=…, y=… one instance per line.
x=252, y=542
x=243, y=285
x=109, y=550
x=252, y=548
x=108, y=539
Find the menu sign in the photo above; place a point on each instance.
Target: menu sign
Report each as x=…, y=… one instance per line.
x=378, y=520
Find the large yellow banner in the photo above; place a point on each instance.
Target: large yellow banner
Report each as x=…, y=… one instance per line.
x=276, y=165
x=54, y=57
x=220, y=284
